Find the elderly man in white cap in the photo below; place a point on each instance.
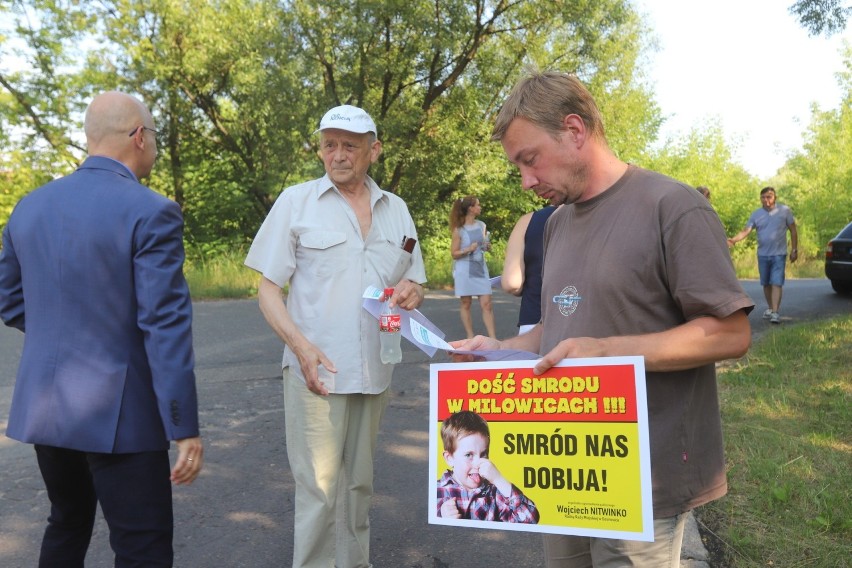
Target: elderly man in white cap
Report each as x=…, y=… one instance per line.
x=330, y=239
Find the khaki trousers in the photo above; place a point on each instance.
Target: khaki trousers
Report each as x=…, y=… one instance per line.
x=331, y=442
x=583, y=552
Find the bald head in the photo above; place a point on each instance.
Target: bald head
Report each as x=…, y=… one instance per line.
x=113, y=113
x=115, y=127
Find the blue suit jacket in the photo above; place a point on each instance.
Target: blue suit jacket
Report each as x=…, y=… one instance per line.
x=91, y=270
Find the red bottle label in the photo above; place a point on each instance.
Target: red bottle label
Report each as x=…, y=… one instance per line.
x=389, y=323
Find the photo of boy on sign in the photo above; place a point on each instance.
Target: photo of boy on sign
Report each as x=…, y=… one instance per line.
x=474, y=488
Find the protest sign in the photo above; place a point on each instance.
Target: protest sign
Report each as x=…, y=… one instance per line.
x=573, y=443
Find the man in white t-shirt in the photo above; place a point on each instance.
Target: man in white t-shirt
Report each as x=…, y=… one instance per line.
x=330, y=239
x=772, y=222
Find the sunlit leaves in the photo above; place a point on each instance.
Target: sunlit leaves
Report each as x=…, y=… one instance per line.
x=820, y=176
x=238, y=87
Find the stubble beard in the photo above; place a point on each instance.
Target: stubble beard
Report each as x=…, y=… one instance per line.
x=572, y=189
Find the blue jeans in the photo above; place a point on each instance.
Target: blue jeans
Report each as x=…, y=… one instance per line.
x=585, y=552
x=771, y=269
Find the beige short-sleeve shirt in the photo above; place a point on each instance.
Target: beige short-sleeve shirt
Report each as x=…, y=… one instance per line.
x=311, y=240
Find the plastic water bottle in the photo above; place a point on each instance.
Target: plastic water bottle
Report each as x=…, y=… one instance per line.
x=390, y=331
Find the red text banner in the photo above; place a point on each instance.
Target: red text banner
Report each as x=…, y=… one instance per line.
x=572, y=445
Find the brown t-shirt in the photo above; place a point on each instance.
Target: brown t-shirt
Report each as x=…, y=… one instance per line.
x=645, y=256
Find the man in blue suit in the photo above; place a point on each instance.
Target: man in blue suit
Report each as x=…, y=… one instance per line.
x=91, y=270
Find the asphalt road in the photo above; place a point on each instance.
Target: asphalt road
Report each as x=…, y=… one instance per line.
x=239, y=513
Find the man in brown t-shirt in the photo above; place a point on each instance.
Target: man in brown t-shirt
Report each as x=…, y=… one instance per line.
x=648, y=257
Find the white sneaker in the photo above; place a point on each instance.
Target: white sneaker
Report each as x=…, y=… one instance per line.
x=775, y=318
x=767, y=314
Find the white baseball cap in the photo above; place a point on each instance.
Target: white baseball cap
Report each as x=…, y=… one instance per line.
x=348, y=117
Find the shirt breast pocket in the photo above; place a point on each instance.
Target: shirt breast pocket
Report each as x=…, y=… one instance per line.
x=392, y=263
x=322, y=253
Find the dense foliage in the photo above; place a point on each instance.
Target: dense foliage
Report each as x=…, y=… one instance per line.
x=238, y=87
x=819, y=178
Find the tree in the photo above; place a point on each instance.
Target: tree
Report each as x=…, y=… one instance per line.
x=821, y=16
x=704, y=157
x=39, y=99
x=239, y=85
x=819, y=177
x=229, y=91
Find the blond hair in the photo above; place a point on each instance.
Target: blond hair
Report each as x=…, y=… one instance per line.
x=545, y=99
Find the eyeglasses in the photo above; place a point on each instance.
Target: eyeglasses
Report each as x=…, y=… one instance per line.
x=157, y=133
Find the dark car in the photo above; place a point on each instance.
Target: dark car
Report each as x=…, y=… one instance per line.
x=838, y=261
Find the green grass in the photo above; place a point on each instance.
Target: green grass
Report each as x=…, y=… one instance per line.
x=788, y=434
x=746, y=267
x=221, y=276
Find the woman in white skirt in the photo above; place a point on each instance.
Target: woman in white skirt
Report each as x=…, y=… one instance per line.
x=470, y=273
